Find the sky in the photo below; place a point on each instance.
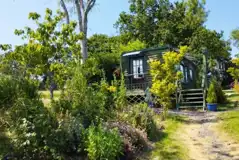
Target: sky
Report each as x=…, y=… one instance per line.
x=223, y=15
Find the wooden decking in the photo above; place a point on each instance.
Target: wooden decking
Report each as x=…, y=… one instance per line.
x=191, y=98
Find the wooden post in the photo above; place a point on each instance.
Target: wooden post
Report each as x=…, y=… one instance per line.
x=177, y=96
x=205, y=80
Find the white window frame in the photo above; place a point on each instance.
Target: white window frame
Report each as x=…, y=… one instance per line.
x=186, y=74
x=137, y=68
x=182, y=70
x=191, y=74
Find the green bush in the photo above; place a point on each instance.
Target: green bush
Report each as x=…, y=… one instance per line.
x=88, y=101
x=221, y=97
x=61, y=106
x=12, y=88
x=135, y=140
x=103, y=144
x=69, y=136
x=35, y=133
x=141, y=117
x=211, y=95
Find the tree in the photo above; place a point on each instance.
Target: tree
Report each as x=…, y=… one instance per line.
x=83, y=7
x=164, y=77
x=235, y=36
x=107, y=51
x=159, y=22
x=48, y=51
x=212, y=41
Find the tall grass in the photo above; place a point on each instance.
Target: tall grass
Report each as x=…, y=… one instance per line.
x=230, y=123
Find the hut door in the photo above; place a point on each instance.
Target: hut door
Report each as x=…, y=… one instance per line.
x=137, y=69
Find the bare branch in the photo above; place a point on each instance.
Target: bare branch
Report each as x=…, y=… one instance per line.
x=90, y=4
x=63, y=5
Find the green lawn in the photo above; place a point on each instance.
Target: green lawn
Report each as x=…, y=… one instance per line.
x=46, y=94
x=229, y=106
x=169, y=147
x=230, y=124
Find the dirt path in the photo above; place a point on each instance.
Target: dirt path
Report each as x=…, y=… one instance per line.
x=203, y=141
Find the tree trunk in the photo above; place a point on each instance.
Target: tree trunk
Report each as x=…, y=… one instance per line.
x=51, y=93
x=82, y=12
x=84, y=49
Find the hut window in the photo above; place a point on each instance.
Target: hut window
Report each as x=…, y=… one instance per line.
x=186, y=74
x=182, y=70
x=138, y=68
x=191, y=74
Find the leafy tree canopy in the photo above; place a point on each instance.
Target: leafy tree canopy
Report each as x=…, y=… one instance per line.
x=48, y=48
x=161, y=22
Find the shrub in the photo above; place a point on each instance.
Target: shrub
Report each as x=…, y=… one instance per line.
x=87, y=101
x=103, y=144
x=141, y=117
x=135, y=140
x=165, y=77
x=31, y=125
x=61, y=106
x=212, y=96
x=69, y=136
x=221, y=97
x=12, y=88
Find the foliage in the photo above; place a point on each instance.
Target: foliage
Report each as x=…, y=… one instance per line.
x=221, y=97
x=135, y=140
x=234, y=71
x=132, y=46
x=235, y=37
x=141, y=117
x=11, y=89
x=180, y=23
x=212, y=95
x=162, y=22
x=165, y=76
x=118, y=91
x=34, y=132
x=29, y=123
x=211, y=40
x=101, y=44
x=107, y=50
x=47, y=49
x=103, y=144
x=84, y=100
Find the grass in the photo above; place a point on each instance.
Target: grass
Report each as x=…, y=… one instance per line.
x=45, y=95
x=230, y=123
x=233, y=98
x=168, y=147
x=229, y=106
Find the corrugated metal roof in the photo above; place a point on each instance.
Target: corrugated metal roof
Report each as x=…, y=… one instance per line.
x=131, y=53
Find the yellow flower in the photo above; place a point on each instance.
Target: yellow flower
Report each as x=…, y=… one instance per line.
x=112, y=89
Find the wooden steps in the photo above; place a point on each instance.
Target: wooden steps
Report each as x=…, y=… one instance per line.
x=191, y=98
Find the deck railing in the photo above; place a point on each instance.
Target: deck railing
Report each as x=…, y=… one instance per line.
x=137, y=86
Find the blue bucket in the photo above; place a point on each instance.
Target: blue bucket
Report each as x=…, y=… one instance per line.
x=212, y=107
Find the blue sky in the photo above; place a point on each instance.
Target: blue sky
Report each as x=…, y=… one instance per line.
x=13, y=14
